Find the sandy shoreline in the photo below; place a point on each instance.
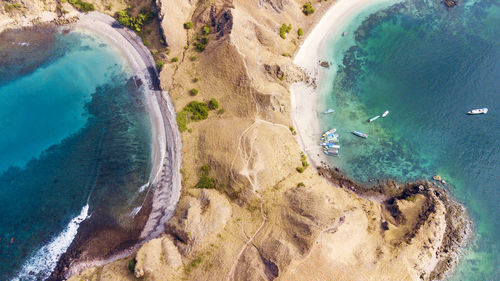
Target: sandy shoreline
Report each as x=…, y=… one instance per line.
x=165, y=182
x=304, y=96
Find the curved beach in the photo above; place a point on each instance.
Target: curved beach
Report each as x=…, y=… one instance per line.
x=304, y=95
x=165, y=182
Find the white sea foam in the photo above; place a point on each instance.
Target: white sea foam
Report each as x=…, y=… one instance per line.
x=44, y=261
x=135, y=211
x=143, y=187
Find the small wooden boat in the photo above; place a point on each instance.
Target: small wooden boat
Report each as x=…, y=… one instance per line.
x=359, y=134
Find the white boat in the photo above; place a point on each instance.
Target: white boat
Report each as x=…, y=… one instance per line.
x=374, y=118
x=478, y=111
x=385, y=113
x=328, y=111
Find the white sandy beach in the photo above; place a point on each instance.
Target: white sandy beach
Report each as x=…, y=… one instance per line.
x=304, y=97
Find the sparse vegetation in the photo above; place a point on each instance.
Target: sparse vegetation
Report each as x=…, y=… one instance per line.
x=188, y=25
x=411, y=198
x=213, y=104
x=193, y=92
x=9, y=7
x=159, y=65
x=82, y=6
x=193, y=264
x=196, y=79
x=131, y=265
x=205, y=30
x=201, y=43
x=301, y=184
x=287, y=55
x=303, y=158
x=308, y=8
x=135, y=23
x=284, y=29
x=198, y=110
x=300, y=169
x=175, y=59
x=194, y=58
x=193, y=111
x=205, y=181
x=292, y=129
x=300, y=32
x=221, y=111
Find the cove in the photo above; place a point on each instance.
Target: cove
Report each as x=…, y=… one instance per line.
x=75, y=143
x=428, y=65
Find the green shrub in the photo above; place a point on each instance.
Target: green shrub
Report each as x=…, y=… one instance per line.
x=201, y=43
x=305, y=163
x=175, y=59
x=284, y=29
x=206, y=182
x=307, y=9
x=411, y=198
x=188, y=25
x=301, y=184
x=9, y=7
x=299, y=169
x=195, y=79
x=131, y=265
x=82, y=6
x=213, y=104
x=193, y=92
x=300, y=32
x=287, y=55
x=193, y=111
x=221, y=111
x=159, y=65
x=182, y=120
x=205, y=169
x=292, y=129
x=194, y=58
x=198, y=110
x=205, y=30
x=136, y=23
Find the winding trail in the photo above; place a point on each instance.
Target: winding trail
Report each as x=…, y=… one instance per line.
x=165, y=182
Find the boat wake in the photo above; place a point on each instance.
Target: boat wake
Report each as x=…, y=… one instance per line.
x=43, y=262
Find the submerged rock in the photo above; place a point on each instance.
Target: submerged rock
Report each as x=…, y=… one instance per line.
x=450, y=3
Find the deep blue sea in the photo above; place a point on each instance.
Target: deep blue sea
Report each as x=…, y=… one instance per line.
x=75, y=138
x=428, y=65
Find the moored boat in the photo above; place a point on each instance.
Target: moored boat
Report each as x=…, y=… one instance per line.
x=478, y=111
x=359, y=134
x=385, y=113
x=374, y=118
x=328, y=111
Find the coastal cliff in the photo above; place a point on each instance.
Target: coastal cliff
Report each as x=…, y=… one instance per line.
x=261, y=217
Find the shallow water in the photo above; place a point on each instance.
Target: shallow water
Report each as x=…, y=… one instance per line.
x=75, y=131
x=428, y=65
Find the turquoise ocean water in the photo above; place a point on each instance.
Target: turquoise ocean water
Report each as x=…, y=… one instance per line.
x=428, y=65
x=75, y=139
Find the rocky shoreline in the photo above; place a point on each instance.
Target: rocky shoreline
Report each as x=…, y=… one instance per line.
x=459, y=226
